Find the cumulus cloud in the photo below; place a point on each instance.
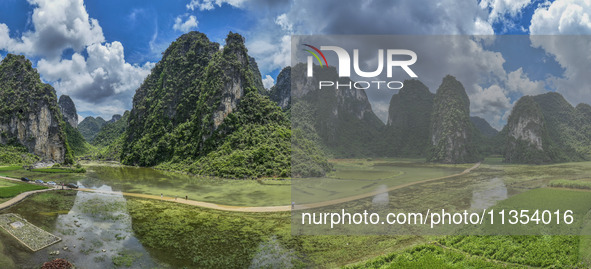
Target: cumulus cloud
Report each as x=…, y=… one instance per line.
x=357, y=17
x=268, y=82
x=272, y=49
x=500, y=8
x=562, y=19
x=59, y=25
x=185, y=26
x=97, y=78
x=519, y=82
x=491, y=104
x=210, y=4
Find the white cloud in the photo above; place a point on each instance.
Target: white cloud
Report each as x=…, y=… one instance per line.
x=102, y=82
x=491, y=104
x=561, y=29
x=210, y=4
x=282, y=21
x=269, y=41
x=185, y=26
x=500, y=8
x=268, y=82
x=59, y=25
x=562, y=17
x=520, y=82
x=99, y=80
x=80, y=118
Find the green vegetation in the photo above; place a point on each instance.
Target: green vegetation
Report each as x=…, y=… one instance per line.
x=430, y=256
x=572, y=184
x=125, y=258
x=523, y=151
x=16, y=154
x=9, y=168
x=111, y=131
x=109, y=140
x=257, y=144
x=483, y=126
x=193, y=237
x=184, y=120
x=189, y=236
x=452, y=131
x=308, y=156
x=42, y=210
x=90, y=127
x=562, y=131
x=486, y=252
x=76, y=142
x=409, y=121
x=23, y=94
x=538, y=251
x=60, y=170
x=343, y=120
x=17, y=188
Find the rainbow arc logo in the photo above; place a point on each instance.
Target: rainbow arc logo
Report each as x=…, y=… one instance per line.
x=316, y=55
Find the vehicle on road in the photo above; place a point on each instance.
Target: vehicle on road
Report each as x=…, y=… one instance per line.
x=72, y=186
x=25, y=179
x=51, y=183
x=39, y=181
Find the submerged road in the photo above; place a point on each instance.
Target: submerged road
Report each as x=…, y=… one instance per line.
x=284, y=208
x=280, y=208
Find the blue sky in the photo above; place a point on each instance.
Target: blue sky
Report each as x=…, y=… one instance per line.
x=99, y=52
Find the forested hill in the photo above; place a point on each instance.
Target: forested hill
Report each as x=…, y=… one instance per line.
x=90, y=126
x=29, y=113
x=545, y=128
x=201, y=110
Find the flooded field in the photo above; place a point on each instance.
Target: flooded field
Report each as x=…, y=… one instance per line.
x=113, y=231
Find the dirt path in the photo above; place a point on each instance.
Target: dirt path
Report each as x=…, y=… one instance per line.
x=21, y=196
x=278, y=208
x=284, y=208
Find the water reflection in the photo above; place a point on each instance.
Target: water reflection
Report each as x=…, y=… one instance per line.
x=96, y=233
x=487, y=193
x=381, y=199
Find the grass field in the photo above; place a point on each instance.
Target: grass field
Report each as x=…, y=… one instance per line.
x=56, y=170
x=513, y=251
x=358, y=176
x=9, y=189
x=571, y=184
x=12, y=167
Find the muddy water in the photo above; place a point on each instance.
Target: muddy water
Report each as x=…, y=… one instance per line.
x=96, y=233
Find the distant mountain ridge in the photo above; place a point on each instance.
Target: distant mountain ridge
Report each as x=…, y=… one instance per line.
x=483, y=126
x=90, y=126
x=204, y=110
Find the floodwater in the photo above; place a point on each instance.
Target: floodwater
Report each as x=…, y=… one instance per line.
x=96, y=233
x=157, y=182
x=488, y=193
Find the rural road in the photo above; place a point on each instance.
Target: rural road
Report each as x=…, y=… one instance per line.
x=243, y=208
x=21, y=196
